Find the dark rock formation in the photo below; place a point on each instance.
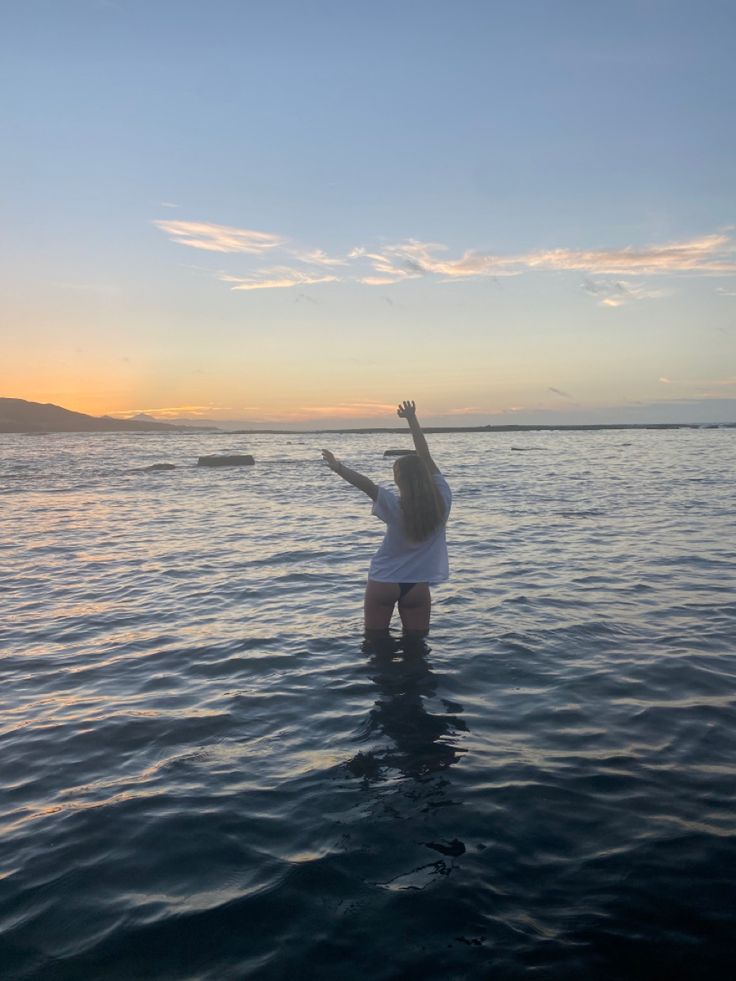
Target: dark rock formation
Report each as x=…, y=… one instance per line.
x=231, y=460
x=160, y=466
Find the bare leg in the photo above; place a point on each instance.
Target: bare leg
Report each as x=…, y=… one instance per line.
x=380, y=599
x=415, y=608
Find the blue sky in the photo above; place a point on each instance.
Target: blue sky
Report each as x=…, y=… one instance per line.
x=310, y=210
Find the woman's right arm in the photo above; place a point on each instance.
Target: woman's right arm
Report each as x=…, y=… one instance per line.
x=352, y=476
x=408, y=411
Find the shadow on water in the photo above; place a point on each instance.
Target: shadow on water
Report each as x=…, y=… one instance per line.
x=420, y=741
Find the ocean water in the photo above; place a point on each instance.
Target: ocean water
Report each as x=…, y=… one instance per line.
x=206, y=774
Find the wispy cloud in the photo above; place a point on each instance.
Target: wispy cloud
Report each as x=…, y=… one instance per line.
x=558, y=391
x=413, y=259
x=700, y=382
x=619, y=292
x=387, y=269
x=355, y=410
x=219, y=238
x=709, y=253
x=337, y=410
x=319, y=258
x=174, y=411
x=278, y=277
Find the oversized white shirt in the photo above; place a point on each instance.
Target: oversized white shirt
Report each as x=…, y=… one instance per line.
x=401, y=560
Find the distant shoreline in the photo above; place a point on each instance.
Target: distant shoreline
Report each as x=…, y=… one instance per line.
x=36, y=418
x=490, y=429
x=171, y=430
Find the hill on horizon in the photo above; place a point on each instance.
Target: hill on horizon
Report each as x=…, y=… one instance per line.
x=21, y=416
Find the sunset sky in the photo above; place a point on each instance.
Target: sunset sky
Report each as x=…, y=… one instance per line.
x=306, y=211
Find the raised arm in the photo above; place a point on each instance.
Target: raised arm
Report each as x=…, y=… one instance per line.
x=352, y=476
x=408, y=411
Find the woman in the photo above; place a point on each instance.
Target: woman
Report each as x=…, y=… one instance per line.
x=413, y=554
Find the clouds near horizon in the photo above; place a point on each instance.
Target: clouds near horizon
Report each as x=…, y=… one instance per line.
x=413, y=259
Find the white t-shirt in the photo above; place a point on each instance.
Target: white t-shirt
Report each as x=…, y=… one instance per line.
x=400, y=560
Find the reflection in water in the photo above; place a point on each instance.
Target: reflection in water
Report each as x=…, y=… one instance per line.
x=420, y=740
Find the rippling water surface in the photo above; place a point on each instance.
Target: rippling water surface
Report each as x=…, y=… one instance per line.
x=205, y=774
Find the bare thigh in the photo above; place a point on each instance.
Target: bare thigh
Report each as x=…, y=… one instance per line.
x=380, y=599
x=415, y=608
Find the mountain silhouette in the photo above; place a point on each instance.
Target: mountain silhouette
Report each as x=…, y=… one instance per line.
x=20, y=416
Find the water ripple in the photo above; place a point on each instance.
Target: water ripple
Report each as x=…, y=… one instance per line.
x=206, y=773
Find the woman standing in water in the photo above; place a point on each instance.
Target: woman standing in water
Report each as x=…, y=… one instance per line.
x=413, y=554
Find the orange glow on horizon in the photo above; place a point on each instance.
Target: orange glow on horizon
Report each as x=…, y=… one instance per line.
x=269, y=410
x=285, y=410
x=262, y=413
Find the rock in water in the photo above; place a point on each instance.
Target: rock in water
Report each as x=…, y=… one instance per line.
x=160, y=466
x=233, y=460
x=398, y=452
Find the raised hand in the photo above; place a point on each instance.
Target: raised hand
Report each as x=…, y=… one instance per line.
x=330, y=459
x=351, y=476
x=408, y=410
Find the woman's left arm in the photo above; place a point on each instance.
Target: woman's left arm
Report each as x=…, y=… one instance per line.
x=352, y=476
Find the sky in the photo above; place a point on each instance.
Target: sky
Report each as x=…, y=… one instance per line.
x=303, y=212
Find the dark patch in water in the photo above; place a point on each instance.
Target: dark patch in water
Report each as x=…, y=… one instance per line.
x=453, y=847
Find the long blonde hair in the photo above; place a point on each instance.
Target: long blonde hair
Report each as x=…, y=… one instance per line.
x=422, y=508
